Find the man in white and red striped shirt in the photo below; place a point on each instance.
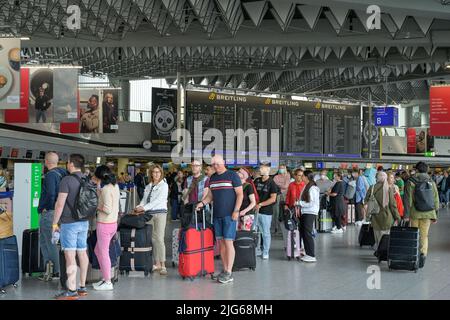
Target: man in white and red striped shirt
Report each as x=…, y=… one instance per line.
x=225, y=191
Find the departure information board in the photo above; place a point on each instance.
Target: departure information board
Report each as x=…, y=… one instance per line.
x=208, y=111
x=264, y=117
x=342, y=130
x=302, y=129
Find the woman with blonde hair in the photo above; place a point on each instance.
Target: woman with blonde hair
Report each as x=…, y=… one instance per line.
x=154, y=202
x=388, y=212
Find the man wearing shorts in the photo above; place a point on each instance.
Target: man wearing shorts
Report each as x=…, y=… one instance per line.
x=226, y=195
x=73, y=233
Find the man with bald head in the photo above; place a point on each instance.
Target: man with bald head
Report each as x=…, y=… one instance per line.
x=46, y=209
x=225, y=192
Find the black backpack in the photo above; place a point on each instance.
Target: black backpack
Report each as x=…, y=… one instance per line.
x=423, y=195
x=86, y=201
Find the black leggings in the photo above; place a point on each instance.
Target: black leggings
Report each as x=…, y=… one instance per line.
x=306, y=230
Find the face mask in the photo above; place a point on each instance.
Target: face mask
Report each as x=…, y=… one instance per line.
x=282, y=171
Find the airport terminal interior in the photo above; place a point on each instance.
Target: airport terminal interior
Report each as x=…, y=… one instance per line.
x=313, y=135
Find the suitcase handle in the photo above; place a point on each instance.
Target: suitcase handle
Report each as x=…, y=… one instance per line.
x=196, y=219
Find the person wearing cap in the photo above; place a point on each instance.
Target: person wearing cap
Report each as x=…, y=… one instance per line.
x=41, y=104
x=267, y=192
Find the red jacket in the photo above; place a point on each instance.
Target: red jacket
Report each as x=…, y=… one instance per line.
x=293, y=193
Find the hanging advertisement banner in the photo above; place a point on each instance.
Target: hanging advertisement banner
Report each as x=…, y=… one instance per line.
x=440, y=111
x=20, y=115
x=40, y=107
x=90, y=111
x=9, y=73
x=65, y=102
x=374, y=136
x=411, y=140
x=164, y=119
x=110, y=110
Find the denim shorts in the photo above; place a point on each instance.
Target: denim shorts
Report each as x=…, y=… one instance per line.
x=225, y=228
x=74, y=235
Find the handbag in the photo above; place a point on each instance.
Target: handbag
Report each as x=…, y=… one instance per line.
x=372, y=205
x=134, y=221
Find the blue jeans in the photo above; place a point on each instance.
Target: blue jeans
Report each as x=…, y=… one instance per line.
x=49, y=250
x=175, y=208
x=41, y=114
x=264, y=223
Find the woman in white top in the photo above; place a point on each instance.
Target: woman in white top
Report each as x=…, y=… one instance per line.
x=154, y=202
x=107, y=215
x=309, y=207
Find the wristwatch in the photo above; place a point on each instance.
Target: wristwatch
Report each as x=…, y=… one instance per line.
x=164, y=118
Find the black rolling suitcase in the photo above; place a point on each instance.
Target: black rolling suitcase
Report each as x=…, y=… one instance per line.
x=137, y=248
x=32, y=260
x=403, y=253
x=245, y=247
x=9, y=262
x=366, y=235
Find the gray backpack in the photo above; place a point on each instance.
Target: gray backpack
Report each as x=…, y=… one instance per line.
x=372, y=205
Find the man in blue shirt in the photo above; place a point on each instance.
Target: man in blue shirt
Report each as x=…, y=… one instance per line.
x=226, y=195
x=46, y=209
x=360, y=195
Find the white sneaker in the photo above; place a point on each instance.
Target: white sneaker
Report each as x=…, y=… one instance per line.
x=344, y=228
x=334, y=228
x=337, y=231
x=105, y=286
x=265, y=257
x=98, y=283
x=309, y=259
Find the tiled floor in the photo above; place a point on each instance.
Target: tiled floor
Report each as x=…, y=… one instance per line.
x=341, y=273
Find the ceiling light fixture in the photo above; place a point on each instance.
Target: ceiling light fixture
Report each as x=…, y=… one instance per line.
x=25, y=38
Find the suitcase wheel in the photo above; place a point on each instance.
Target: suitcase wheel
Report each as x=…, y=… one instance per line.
x=2, y=291
x=298, y=258
x=289, y=258
x=191, y=278
x=146, y=273
x=253, y=269
x=173, y=264
x=15, y=285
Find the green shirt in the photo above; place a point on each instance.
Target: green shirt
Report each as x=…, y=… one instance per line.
x=401, y=185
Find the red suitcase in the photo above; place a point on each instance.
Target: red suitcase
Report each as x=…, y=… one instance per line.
x=196, y=251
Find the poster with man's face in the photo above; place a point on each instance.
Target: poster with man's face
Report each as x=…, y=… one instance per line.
x=110, y=109
x=40, y=106
x=9, y=73
x=90, y=111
